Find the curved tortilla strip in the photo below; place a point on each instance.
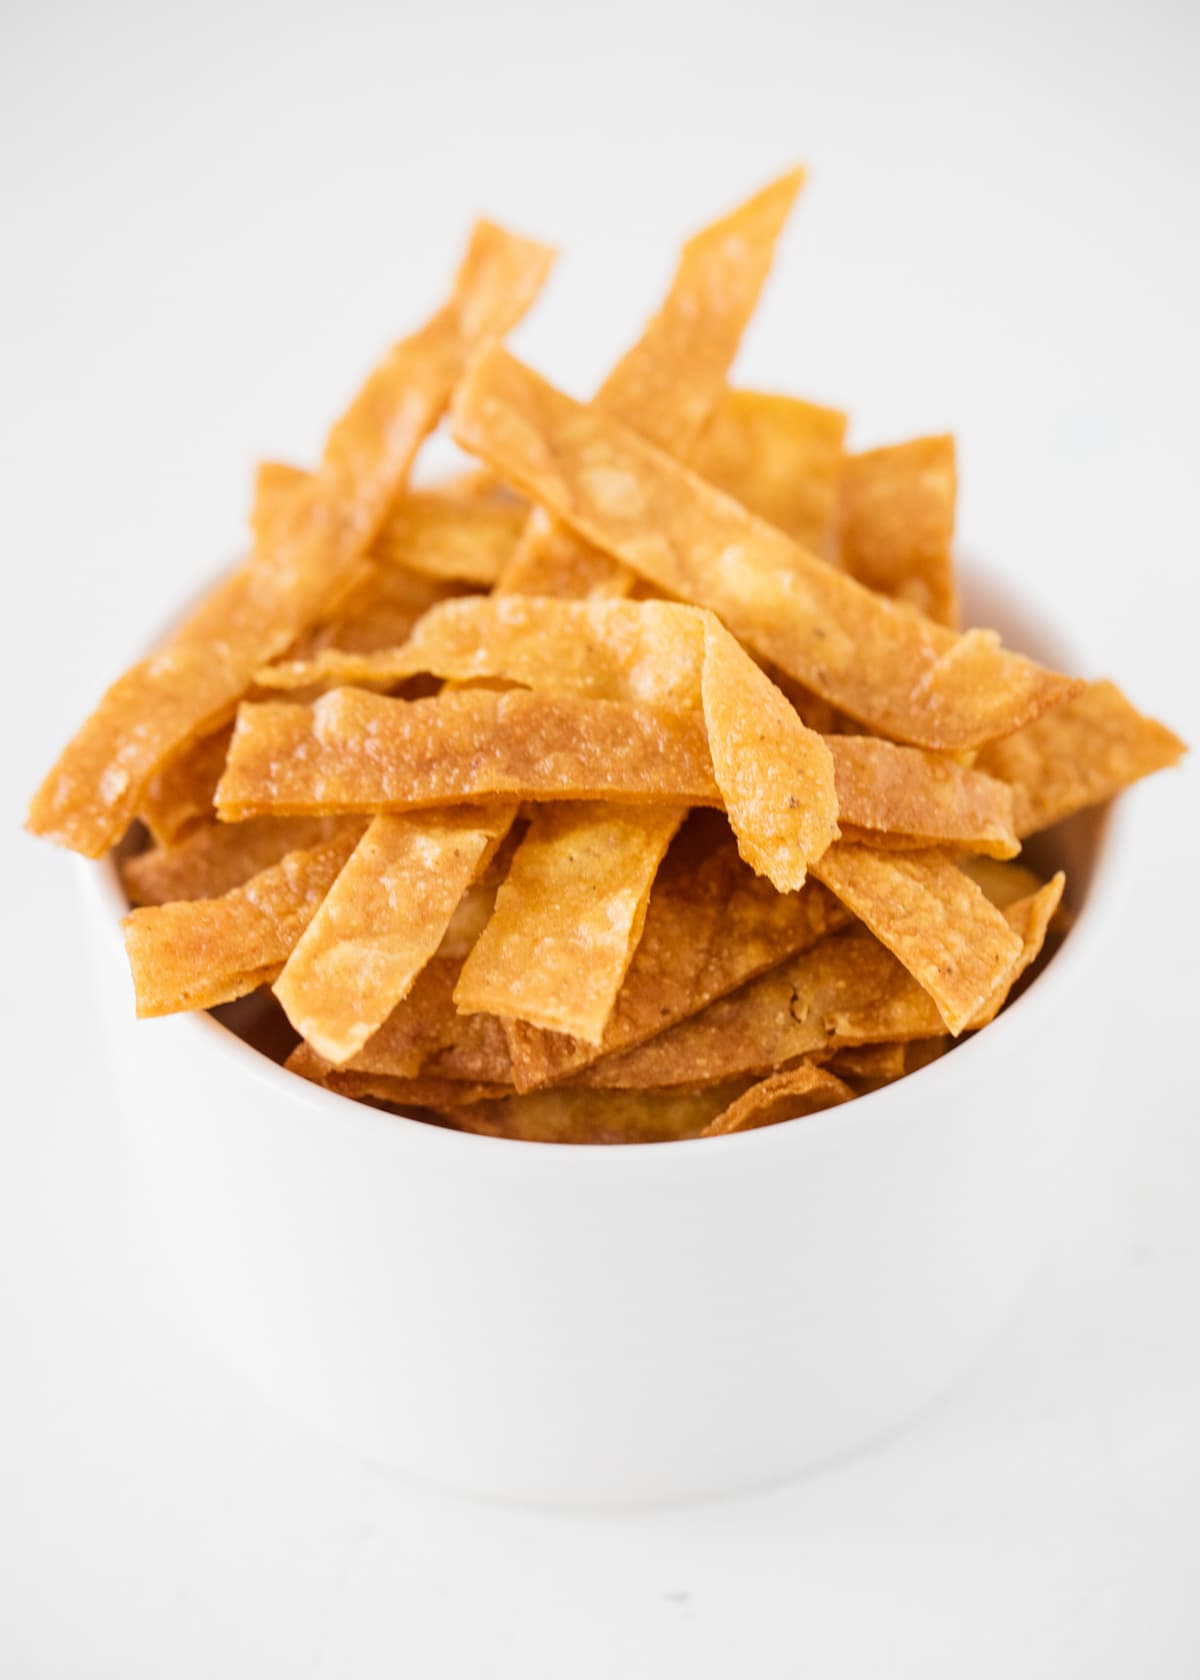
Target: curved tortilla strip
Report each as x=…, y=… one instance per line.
x=790, y=1095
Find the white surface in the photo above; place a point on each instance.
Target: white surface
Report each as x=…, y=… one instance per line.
x=213, y=220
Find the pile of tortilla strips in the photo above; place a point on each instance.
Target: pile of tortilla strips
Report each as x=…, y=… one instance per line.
x=637, y=784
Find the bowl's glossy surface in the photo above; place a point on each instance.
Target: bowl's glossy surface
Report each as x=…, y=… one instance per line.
x=583, y=1325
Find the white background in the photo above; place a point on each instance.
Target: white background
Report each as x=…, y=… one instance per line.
x=213, y=219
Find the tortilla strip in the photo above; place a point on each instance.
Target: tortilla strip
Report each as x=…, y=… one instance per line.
x=781, y=458
x=790, y=1095
x=568, y=918
x=873, y=1064
x=210, y=950
x=217, y=857
x=402, y=1094
x=901, y=793
x=596, y=1117
x=381, y=921
x=355, y=751
x=1081, y=753
x=897, y=523
x=904, y=1011
x=845, y=990
x=932, y=916
x=188, y=687
x=899, y=673
x=711, y=925
x=669, y=383
x=180, y=796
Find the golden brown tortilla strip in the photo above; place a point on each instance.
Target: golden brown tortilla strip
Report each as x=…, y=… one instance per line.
x=896, y=671
x=356, y=751
x=932, y=916
x=439, y=535
x=598, y=1117
x=1081, y=753
x=904, y=1011
x=276, y=484
x=180, y=796
x=217, y=857
x=896, y=521
x=401, y=1094
x=188, y=686
x=790, y=1095
x=670, y=382
x=781, y=458
x=381, y=922
x=885, y=791
x=210, y=950
x=568, y=917
x=711, y=925
x=1004, y=881
x=870, y=1064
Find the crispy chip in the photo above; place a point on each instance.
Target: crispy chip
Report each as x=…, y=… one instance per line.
x=871, y=1064
x=217, y=857
x=381, y=921
x=209, y=950
x=91, y=795
x=711, y=925
x=402, y=1094
x=606, y=1117
x=885, y=791
x=568, y=918
x=933, y=917
x=896, y=520
x=180, y=797
x=355, y=751
x=781, y=458
x=670, y=382
x=1004, y=882
x=1082, y=752
x=790, y=1095
x=891, y=668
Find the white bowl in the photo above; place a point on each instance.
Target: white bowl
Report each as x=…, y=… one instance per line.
x=614, y=1326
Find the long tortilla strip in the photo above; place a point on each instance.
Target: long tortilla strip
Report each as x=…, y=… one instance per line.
x=896, y=523
x=899, y=673
x=781, y=458
x=355, y=751
x=216, y=857
x=190, y=684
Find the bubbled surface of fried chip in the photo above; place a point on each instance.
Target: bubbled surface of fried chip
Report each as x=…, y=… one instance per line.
x=189, y=685
x=210, y=950
x=670, y=382
x=896, y=518
x=889, y=667
x=790, y=1095
x=781, y=458
x=932, y=916
x=217, y=857
x=356, y=751
x=885, y=790
x=568, y=917
x=381, y=921
x=1081, y=753
x=711, y=925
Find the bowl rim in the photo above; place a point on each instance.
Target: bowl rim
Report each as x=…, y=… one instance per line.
x=100, y=884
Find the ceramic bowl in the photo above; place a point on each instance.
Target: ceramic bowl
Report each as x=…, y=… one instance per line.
x=625, y=1325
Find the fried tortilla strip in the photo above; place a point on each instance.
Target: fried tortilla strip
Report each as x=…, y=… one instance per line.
x=885, y=791
x=845, y=990
x=781, y=458
x=896, y=521
x=355, y=751
x=188, y=687
x=209, y=950
x=932, y=916
x=766, y=1025
x=775, y=775
x=1004, y=882
x=904, y=1011
x=894, y=670
x=377, y=610
x=568, y=918
x=872, y=1064
x=402, y=1094
x=711, y=925
x=601, y=1117
x=217, y=857
x=276, y=485
x=1081, y=753
x=446, y=533
x=180, y=796
x=670, y=382
x=381, y=922
x=790, y=1095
